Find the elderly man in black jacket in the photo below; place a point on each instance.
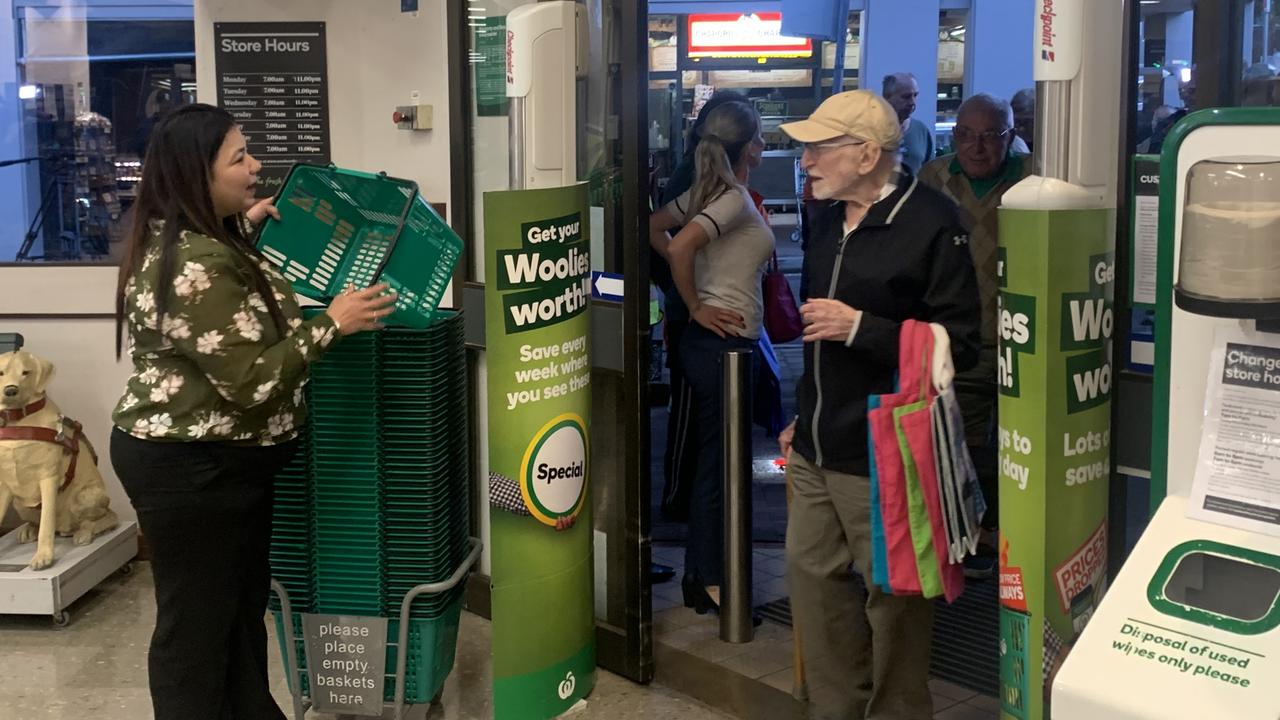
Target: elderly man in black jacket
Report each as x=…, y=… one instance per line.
x=884, y=249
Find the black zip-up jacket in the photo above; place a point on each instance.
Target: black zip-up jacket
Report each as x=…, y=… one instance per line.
x=908, y=259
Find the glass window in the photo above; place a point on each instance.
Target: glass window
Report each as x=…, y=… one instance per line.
x=782, y=89
x=1248, y=74
x=852, y=53
x=1165, y=73
x=951, y=35
x=91, y=90
x=662, y=43
x=1261, y=53
x=600, y=165
x=665, y=82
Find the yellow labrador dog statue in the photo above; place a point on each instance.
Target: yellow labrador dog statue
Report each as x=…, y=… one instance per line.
x=48, y=469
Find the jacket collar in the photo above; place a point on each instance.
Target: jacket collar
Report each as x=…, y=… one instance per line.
x=886, y=210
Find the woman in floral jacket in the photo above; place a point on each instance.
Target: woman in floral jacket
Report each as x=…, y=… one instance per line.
x=220, y=354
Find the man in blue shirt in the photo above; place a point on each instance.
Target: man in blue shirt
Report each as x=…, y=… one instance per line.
x=901, y=90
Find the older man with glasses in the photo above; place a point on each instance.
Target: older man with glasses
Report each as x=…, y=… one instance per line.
x=976, y=177
x=884, y=249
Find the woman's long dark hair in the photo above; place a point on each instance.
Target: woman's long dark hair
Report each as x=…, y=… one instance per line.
x=175, y=189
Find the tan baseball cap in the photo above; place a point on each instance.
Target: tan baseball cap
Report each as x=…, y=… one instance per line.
x=860, y=114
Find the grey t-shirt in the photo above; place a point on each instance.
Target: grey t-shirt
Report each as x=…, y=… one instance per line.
x=728, y=269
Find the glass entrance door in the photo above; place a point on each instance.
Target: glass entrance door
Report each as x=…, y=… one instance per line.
x=611, y=121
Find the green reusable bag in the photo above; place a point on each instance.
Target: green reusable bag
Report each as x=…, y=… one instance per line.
x=921, y=527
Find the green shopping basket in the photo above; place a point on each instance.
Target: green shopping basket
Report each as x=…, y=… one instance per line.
x=342, y=227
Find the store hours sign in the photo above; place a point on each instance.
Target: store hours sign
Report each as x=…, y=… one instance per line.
x=273, y=79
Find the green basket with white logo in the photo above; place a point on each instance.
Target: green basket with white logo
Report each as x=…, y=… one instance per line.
x=341, y=227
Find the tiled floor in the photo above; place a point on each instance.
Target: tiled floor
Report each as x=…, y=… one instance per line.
x=770, y=656
x=769, y=578
x=96, y=668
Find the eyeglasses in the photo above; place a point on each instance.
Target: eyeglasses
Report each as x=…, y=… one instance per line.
x=821, y=147
x=965, y=136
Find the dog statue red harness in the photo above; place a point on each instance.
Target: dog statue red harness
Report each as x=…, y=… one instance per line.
x=68, y=435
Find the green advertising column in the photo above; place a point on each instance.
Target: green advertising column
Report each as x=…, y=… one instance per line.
x=1057, y=275
x=537, y=296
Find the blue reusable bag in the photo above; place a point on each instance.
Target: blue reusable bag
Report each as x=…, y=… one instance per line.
x=879, y=551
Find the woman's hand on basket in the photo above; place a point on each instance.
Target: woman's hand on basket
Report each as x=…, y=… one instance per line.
x=258, y=214
x=358, y=310
x=718, y=320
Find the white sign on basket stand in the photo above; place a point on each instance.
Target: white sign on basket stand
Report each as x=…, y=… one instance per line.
x=1237, y=480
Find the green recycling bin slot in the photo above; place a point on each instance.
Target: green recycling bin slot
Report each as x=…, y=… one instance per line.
x=1230, y=588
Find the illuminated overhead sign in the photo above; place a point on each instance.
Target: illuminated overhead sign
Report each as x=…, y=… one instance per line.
x=731, y=35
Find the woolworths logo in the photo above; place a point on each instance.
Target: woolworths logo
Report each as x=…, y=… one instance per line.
x=1087, y=322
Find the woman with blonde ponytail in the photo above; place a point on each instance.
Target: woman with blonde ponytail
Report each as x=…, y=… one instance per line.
x=717, y=260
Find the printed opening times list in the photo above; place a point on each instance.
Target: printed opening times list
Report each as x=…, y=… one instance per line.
x=279, y=112
x=272, y=78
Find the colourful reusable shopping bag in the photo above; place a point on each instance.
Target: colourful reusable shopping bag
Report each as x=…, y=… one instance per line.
x=914, y=425
x=904, y=576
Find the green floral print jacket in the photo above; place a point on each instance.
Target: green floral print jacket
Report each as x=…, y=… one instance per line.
x=217, y=371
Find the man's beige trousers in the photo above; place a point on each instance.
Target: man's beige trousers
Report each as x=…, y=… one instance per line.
x=866, y=657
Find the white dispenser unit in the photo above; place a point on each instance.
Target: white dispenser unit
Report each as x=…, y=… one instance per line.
x=1191, y=627
x=546, y=55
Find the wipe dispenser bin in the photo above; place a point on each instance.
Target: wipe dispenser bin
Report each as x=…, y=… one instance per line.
x=1190, y=628
x=1230, y=260
x=342, y=227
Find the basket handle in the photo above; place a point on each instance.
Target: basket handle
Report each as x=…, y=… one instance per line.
x=391, y=247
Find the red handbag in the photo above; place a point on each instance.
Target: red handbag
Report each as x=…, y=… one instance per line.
x=781, y=316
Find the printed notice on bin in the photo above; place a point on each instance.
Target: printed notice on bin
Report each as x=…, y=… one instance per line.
x=346, y=663
x=273, y=79
x=1237, y=481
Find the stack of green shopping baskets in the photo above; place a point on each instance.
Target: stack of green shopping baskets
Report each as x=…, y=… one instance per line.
x=292, y=529
x=425, y=472
x=348, y=489
x=378, y=503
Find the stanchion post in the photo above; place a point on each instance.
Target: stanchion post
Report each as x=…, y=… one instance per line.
x=735, y=591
